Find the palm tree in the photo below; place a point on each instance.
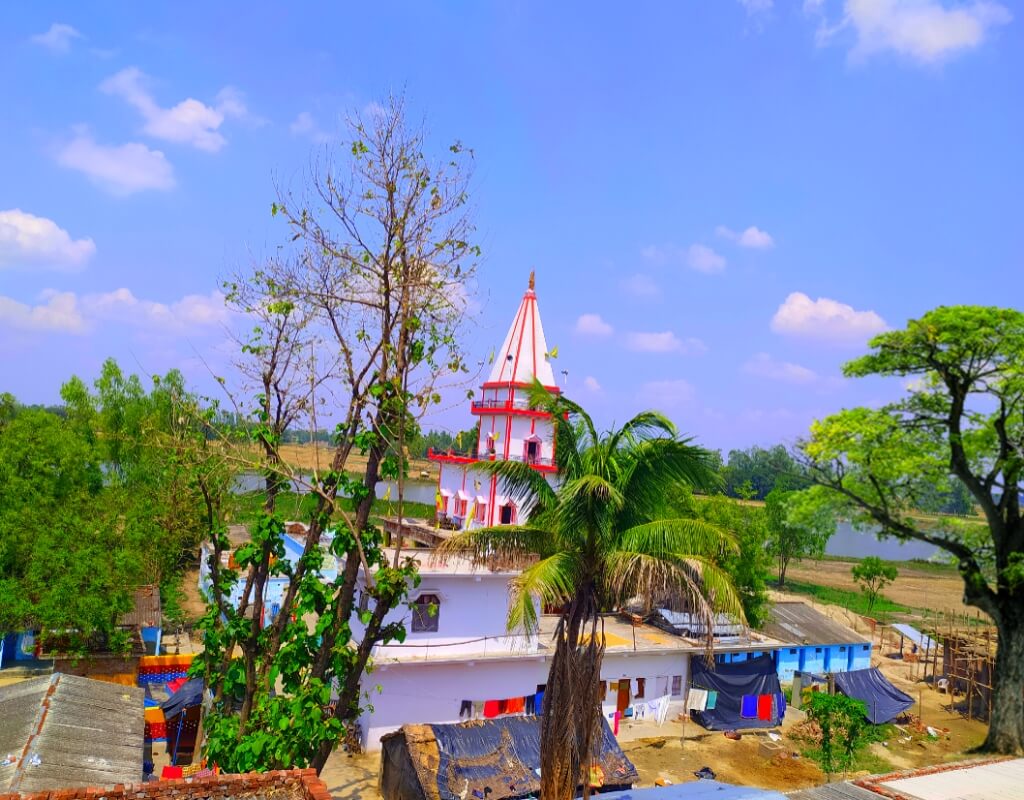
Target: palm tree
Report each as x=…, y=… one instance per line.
x=591, y=544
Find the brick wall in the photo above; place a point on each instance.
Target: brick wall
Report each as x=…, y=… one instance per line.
x=299, y=784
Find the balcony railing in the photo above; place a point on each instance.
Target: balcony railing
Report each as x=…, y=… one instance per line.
x=504, y=404
x=482, y=455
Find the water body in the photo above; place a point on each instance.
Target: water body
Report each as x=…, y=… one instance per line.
x=415, y=491
x=852, y=543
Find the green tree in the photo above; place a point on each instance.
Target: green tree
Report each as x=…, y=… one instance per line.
x=800, y=523
x=593, y=543
x=378, y=274
x=749, y=563
x=751, y=474
x=960, y=419
x=843, y=724
x=873, y=575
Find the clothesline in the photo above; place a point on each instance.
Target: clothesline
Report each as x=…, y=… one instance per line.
x=489, y=709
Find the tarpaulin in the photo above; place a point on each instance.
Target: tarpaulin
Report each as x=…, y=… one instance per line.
x=190, y=694
x=753, y=677
x=482, y=759
x=883, y=701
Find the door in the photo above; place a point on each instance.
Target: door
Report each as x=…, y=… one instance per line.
x=661, y=686
x=532, y=451
x=623, y=700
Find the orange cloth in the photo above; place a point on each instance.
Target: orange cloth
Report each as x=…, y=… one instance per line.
x=515, y=705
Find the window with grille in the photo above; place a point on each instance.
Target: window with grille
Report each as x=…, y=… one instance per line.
x=426, y=612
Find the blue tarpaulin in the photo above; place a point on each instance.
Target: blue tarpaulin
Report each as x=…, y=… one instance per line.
x=750, y=678
x=884, y=701
x=190, y=694
x=696, y=790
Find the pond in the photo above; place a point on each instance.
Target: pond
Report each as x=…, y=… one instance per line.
x=852, y=543
x=415, y=491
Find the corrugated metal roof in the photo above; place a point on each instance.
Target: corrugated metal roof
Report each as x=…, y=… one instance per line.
x=798, y=623
x=65, y=732
x=914, y=635
x=1003, y=780
x=146, y=611
x=693, y=624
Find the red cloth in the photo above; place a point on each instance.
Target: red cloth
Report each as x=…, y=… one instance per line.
x=515, y=705
x=491, y=708
x=177, y=683
x=764, y=706
x=169, y=773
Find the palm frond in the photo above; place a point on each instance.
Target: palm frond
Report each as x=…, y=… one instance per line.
x=656, y=468
x=644, y=425
x=694, y=583
x=552, y=581
x=521, y=482
x=510, y=546
x=673, y=538
x=587, y=504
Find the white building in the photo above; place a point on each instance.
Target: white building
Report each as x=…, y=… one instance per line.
x=508, y=429
x=458, y=654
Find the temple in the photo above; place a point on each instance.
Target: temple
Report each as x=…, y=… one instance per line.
x=508, y=428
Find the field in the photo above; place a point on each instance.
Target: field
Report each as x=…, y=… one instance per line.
x=318, y=455
x=919, y=586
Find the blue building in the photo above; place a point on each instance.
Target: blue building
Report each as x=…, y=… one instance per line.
x=813, y=642
x=277, y=585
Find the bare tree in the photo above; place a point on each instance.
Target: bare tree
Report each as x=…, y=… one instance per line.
x=382, y=261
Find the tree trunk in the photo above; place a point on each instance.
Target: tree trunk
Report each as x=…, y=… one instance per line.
x=783, y=564
x=572, y=712
x=1006, y=727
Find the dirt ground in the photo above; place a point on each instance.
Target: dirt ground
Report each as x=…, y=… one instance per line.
x=916, y=588
x=313, y=456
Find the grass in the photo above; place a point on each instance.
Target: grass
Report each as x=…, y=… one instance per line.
x=918, y=564
x=854, y=601
x=292, y=505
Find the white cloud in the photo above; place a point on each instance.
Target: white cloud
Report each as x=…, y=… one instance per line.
x=753, y=237
x=121, y=169
x=926, y=31
x=69, y=313
x=641, y=286
x=57, y=39
x=764, y=366
x=698, y=256
x=593, y=325
x=667, y=394
x=703, y=259
x=664, y=342
x=825, y=319
x=189, y=122
x=58, y=311
x=591, y=383
x=182, y=316
x=305, y=125
x=30, y=241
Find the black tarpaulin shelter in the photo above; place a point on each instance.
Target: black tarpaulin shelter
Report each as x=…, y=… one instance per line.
x=884, y=701
x=753, y=677
x=183, y=711
x=189, y=694
x=492, y=759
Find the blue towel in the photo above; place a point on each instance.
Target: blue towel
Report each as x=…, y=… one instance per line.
x=712, y=701
x=780, y=704
x=748, y=706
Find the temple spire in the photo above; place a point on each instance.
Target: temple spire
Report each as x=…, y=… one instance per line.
x=524, y=353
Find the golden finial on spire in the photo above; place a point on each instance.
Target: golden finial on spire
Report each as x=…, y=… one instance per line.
x=532, y=280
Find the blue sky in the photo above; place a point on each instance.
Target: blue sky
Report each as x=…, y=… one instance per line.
x=723, y=200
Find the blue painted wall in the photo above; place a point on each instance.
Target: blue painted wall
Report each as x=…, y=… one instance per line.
x=860, y=656
x=787, y=661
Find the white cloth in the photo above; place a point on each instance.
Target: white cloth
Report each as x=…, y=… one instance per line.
x=697, y=699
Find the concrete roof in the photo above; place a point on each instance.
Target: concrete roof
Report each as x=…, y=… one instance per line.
x=1000, y=780
x=82, y=731
x=794, y=622
x=620, y=636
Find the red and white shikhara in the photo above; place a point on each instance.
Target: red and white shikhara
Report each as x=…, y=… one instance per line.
x=508, y=428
